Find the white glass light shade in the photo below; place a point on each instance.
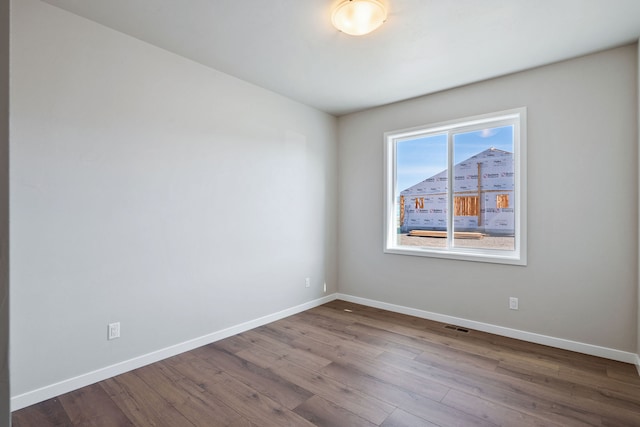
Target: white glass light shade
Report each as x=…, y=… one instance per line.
x=358, y=17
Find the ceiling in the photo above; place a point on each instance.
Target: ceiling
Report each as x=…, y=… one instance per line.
x=290, y=47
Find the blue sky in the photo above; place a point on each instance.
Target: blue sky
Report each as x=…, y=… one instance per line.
x=421, y=158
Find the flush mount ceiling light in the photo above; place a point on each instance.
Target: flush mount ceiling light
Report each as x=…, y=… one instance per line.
x=358, y=17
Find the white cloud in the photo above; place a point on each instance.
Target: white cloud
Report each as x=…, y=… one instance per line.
x=486, y=133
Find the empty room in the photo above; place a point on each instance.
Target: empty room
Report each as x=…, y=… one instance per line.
x=327, y=212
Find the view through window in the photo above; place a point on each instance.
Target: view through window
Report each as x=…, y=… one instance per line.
x=455, y=189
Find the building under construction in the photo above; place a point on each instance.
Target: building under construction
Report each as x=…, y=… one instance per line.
x=483, y=197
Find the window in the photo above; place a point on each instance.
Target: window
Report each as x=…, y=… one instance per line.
x=466, y=206
x=502, y=201
x=457, y=189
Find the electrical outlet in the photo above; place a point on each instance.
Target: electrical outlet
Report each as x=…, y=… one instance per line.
x=325, y=287
x=307, y=282
x=113, y=331
x=513, y=303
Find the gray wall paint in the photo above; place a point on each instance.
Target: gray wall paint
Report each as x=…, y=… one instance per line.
x=150, y=190
x=581, y=280
x=5, y=417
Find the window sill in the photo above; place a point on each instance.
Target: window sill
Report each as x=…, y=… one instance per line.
x=490, y=256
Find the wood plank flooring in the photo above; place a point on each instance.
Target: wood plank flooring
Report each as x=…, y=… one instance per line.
x=344, y=364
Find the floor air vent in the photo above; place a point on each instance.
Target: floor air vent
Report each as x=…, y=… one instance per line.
x=456, y=328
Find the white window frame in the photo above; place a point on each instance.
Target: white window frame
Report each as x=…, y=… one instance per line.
x=518, y=256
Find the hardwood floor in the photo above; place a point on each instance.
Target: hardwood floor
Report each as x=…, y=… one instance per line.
x=343, y=364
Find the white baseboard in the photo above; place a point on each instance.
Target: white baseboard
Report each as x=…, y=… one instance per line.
x=594, y=350
x=47, y=392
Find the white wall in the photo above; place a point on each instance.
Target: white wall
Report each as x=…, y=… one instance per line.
x=638, y=132
x=5, y=417
x=581, y=280
x=150, y=190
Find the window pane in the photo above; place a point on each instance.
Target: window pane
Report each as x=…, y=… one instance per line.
x=421, y=182
x=484, y=175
